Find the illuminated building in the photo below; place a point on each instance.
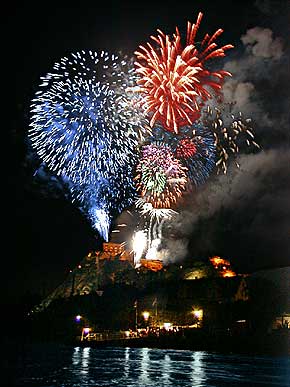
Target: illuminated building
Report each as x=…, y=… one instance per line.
x=116, y=251
x=222, y=266
x=195, y=274
x=282, y=322
x=151, y=264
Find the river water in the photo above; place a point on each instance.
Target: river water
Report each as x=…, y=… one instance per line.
x=65, y=366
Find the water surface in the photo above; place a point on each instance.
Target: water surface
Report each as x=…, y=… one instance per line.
x=63, y=366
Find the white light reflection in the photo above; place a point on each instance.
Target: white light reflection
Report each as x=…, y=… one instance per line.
x=145, y=363
x=127, y=362
x=76, y=357
x=166, y=368
x=80, y=366
x=85, y=360
x=198, y=377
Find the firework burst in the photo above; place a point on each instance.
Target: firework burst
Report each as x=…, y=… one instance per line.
x=174, y=78
x=161, y=178
x=80, y=126
x=196, y=149
x=120, y=131
x=186, y=148
x=85, y=131
x=231, y=132
x=194, y=146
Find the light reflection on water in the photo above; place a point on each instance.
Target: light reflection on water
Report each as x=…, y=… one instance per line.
x=60, y=366
x=198, y=377
x=144, y=378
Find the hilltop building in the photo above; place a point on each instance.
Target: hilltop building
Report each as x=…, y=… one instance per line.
x=223, y=266
x=115, y=251
x=151, y=264
x=114, y=264
x=216, y=266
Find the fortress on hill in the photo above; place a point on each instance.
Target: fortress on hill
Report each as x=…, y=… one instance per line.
x=115, y=264
x=117, y=252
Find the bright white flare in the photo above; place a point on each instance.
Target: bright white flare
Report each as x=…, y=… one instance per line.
x=139, y=245
x=101, y=222
x=152, y=252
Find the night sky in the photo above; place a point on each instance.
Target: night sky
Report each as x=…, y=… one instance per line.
x=243, y=216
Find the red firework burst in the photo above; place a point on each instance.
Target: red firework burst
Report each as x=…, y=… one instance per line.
x=185, y=149
x=173, y=77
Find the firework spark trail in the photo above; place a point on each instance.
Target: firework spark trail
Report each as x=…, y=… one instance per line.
x=153, y=220
x=231, y=133
x=139, y=245
x=157, y=229
x=147, y=210
x=154, y=236
x=111, y=196
x=174, y=79
x=86, y=132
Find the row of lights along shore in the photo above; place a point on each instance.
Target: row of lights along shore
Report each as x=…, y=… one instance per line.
x=167, y=326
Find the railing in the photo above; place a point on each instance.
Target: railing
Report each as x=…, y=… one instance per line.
x=105, y=336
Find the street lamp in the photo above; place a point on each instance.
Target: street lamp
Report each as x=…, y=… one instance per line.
x=85, y=331
x=146, y=318
x=198, y=314
x=146, y=315
x=167, y=326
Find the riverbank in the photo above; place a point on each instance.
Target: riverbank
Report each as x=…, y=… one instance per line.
x=273, y=344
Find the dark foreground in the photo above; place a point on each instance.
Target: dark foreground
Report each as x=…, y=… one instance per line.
x=55, y=365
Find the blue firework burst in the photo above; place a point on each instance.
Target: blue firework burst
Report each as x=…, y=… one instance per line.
x=84, y=129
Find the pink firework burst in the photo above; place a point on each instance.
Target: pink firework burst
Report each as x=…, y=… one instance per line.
x=173, y=78
x=161, y=178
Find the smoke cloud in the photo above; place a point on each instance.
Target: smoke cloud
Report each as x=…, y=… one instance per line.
x=245, y=213
x=259, y=78
x=260, y=43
